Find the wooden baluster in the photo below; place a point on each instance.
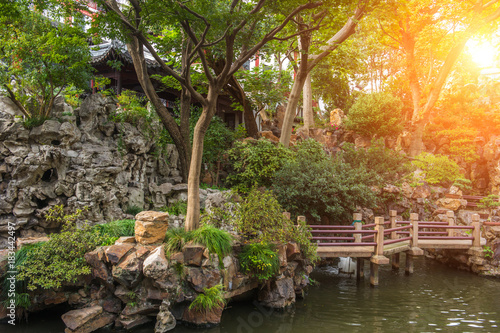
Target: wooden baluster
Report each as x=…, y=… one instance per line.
x=395, y=257
x=414, y=243
x=450, y=216
x=378, y=258
x=476, y=232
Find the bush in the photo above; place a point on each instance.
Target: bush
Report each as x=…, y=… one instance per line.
x=437, y=169
x=383, y=165
x=60, y=260
x=376, y=113
x=255, y=163
x=260, y=260
x=133, y=210
x=212, y=298
x=316, y=185
x=260, y=217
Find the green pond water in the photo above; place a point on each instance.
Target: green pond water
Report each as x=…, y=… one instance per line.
x=434, y=298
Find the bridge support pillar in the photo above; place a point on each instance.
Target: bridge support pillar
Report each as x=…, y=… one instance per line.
x=409, y=264
x=395, y=261
x=373, y=274
x=360, y=268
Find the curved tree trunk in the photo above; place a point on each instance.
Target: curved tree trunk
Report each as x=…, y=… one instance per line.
x=136, y=51
x=193, y=209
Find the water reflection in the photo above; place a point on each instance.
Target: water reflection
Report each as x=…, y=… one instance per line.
x=435, y=298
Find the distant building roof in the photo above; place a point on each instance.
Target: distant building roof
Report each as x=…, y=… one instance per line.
x=116, y=50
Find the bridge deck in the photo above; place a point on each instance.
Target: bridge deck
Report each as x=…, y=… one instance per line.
x=345, y=251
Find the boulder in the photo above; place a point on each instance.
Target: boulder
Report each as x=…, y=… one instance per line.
x=165, y=321
x=156, y=265
x=336, y=118
x=269, y=135
x=203, y=318
x=449, y=204
x=278, y=294
x=201, y=278
x=116, y=252
x=128, y=272
x=150, y=227
x=129, y=322
x=86, y=320
x=193, y=254
x=292, y=251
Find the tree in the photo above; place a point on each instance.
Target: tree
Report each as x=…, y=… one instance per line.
x=40, y=58
x=310, y=56
x=235, y=29
x=432, y=35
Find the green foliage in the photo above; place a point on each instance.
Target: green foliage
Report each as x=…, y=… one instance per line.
x=489, y=202
x=240, y=132
x=437, y=169
x=119, y=228
x=133, y=210
x=60, y=260
x=376, y=113
x=260, y=260
x=254, y=163
x=177, y=208
x=34, y=121
x=382, y=164
x=463, y=184
x=210, y=299
x=217, y=140
x=175, y=239
x=260, y=217
x=488, y=252
x=57, y=214
x=316, y=185
x=131, y=109
x=22, y=299
x=42, y=57
x=72, y=96
x=216, y=240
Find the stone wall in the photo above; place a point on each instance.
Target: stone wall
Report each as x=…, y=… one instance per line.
x=80, y=158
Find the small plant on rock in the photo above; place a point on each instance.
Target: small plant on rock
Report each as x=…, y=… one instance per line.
x=488, y=252
x=175, y=239
x=210, y=299
x=489, y=202
x=216, y=240
x=260, y=260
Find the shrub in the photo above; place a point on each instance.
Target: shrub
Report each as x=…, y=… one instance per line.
x=254, y=163
x=210, y=299
x=376, y=113
x=259, y=260
x=60, y=260
x=22, y=299
x=437, y=169
x=317, y=186
x=383, y=165
x=260, y=217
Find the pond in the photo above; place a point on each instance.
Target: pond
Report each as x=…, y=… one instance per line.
x=434, y=298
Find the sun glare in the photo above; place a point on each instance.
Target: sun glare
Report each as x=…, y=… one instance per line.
x=484, y=54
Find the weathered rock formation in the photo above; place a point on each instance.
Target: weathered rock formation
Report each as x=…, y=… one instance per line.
x=81, y=160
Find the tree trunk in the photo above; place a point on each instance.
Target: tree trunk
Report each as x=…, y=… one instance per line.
x=308, y=107
x=136, y=51
x=193, y=208
x=291, y=108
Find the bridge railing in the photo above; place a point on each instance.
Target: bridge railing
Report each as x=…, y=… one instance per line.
x=377, y=234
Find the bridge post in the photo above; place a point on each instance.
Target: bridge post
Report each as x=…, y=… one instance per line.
x=395, y=257
x=450, y=216
x=414, y=243
x=287, y=215
x=301, y=219
x=378, y=257
x=358, y=225
x=477, y=224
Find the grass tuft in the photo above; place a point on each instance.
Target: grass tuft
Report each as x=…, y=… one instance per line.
x=212, y=298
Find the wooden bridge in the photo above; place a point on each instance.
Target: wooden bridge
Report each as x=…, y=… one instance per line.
x=383, y=239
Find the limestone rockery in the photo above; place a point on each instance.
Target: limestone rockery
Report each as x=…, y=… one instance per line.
x=80, y=158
